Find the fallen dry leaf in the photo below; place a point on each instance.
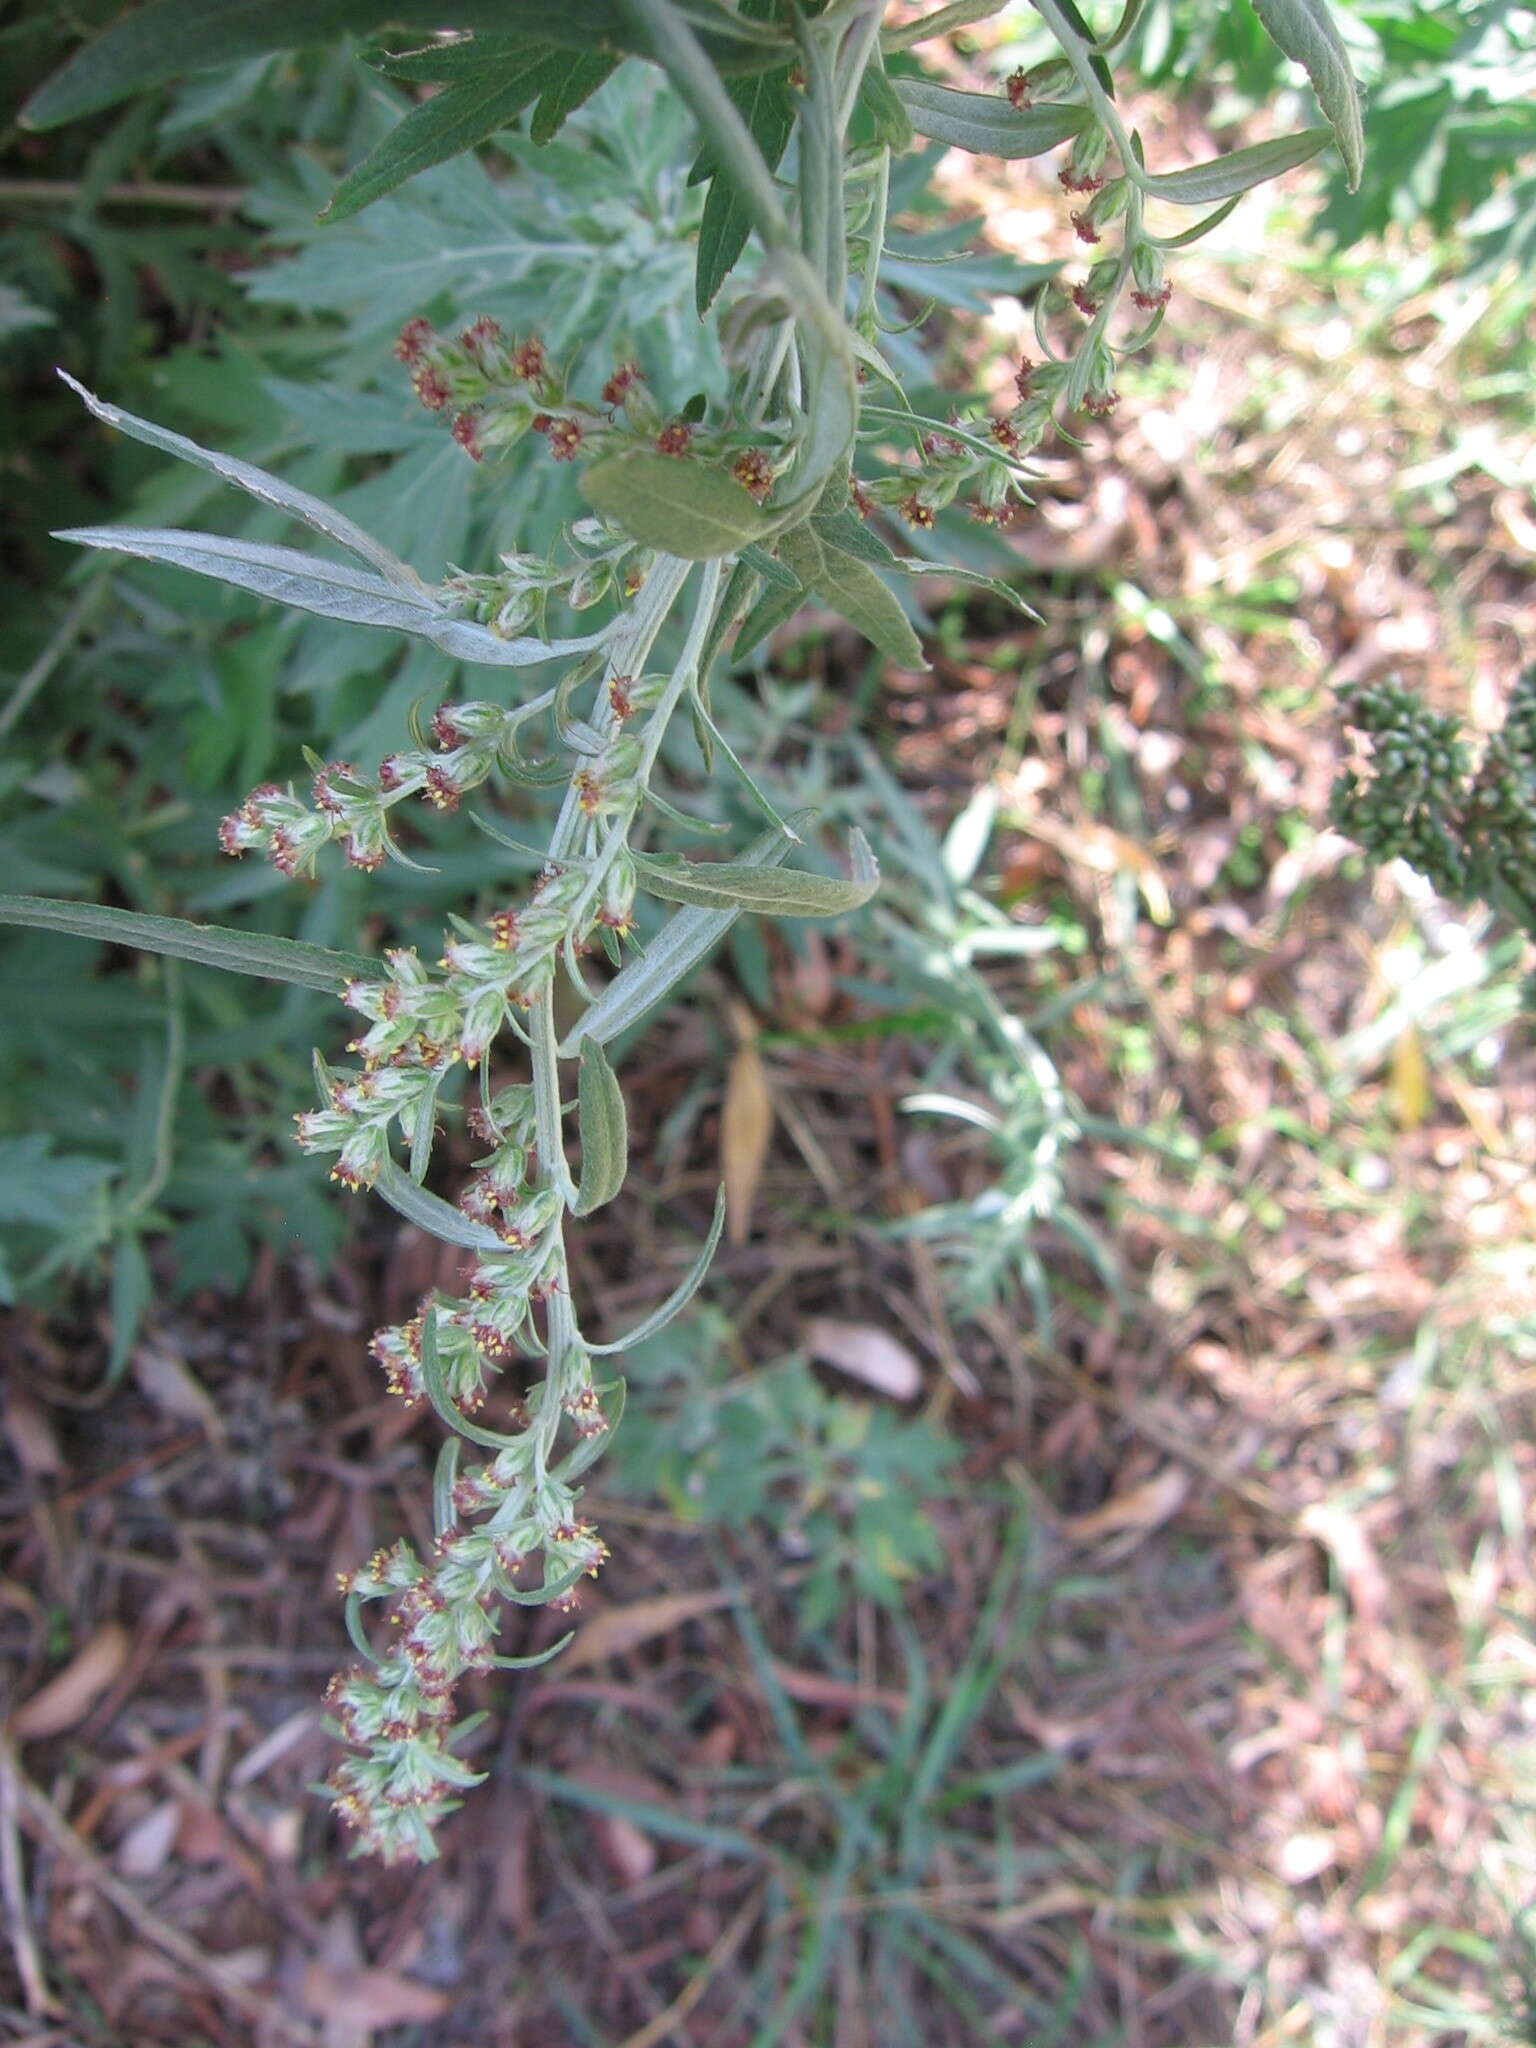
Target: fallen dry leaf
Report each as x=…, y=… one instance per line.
x=746, y=1125
x=1142, y=1507
x=627, y=1850
x=367, y=2001
x=165, y=1380
x=147, y=1845
x=71, y=1693
x=865, y=1353
x=31, y=1435
x=618, y=1630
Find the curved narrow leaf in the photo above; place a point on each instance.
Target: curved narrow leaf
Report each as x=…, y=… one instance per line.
x=984, y=123
x=855, y=593
x=771, y=892
x=676, y=505
x=579, y=76
x=437, y=1393
x=211, y=945
x=432, y=1214
x=332, y=589
x=680, y=1296
x=678, y=948
x=271, y=490
x=604, y=1130
x=532, y=1663
x=1227, y=176
x=1305, y=31
x=767, y=105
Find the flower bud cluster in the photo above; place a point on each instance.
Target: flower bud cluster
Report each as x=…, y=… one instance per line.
x=516, y=599
x=397, y=1710
x=1410, y=801
x=499, y=390
x=982, y=456
x=471, y=742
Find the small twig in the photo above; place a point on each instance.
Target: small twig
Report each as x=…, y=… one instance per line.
x=44, y=1822
x=65, y=191
x=40, y=2001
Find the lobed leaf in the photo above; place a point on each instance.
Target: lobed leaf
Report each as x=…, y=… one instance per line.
x=984, y=123
x=767, y=105
x=270, y=959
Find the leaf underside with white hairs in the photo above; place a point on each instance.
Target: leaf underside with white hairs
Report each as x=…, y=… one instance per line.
x=210, y=945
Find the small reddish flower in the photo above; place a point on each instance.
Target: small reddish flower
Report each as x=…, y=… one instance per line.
x=619, y=697
x=675, y=438
x=565, y=438
x=1100, y=403
x=1084, y=301
x=466, y=431
x=1074, y=181
x=1023, y=376
x=1006, y=435
x=412, y=341
x=391, y=772
x=431, y=388
x=1152, y=302
x=483, y=332
x=504, y=928
x=1017, y=89
x=439, y=791
x=589, y=791
x=1083, y=227
x=619, y=384
x=753, y=472
x=863, y=503
x=915, y=512
x=529, y=360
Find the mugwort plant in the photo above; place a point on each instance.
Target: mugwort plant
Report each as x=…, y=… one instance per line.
x=704, y=531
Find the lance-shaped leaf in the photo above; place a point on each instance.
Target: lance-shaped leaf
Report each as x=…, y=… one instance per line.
x=674, y=504
x=681, y=945
x=1305, y=31
x=271, y=490
x=771, y=892
x=680, y=1296
x=767, y=105
x=604, y=1130
x=984, y=123
x=333, y=589
x=211, y=945
x=166, y=39
x=1227, y=176
x=454, y=120
x=432, y=1214
x=854, y=592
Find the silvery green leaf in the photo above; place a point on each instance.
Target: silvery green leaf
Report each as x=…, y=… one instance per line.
x=211, y=945
x=681, y=945
x=771, y=892
x=536, y=1658
x=855, y=593
x=269, y=489
x=984, y=123
x=1227, y=176
x=604, y=1130
x=423, y=1130
x=1305, y=31
x=773, y=609
x=680, y=1296
x=846, y=530
x=445, y=1475
x=674, y=504
x=433, y=1215
x=770, y=568
x=332, y=589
